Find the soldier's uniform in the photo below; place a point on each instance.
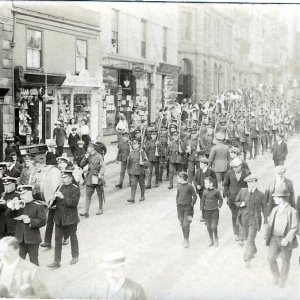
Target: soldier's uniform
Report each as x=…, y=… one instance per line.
x=185, y=138
x=123, y=153
x=28, y=234
x=253, y=137
x=175, y=158
x=151, y=150
x=242, y=134
x=136, y=172
x=163, y=157
x=192, y=151
x=207, y=140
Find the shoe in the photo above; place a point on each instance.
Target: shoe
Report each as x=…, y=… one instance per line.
x=167, y=178
x=65, y=242
x=142, y=199
x=54, y=265
x=202, y=220
x=170, y=187
x=118, y=186
x=156, y=184
x=216, y=243
x=131, y=201
x=148, y=187
x=241, y=243
x=99, y=212
x=237, y=238
x=211, y=244
x=185, y=243
x=84, y=215
x=74, y=261
x=46, y=245
x=247, y=264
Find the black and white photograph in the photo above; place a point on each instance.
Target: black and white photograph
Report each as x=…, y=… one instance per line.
x=149, y=150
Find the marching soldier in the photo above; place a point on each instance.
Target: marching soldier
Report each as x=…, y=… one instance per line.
x=123, y=153
x=175, y=154
x=241, y=128
x=66, y=218
x=162, y=150
x=94, y=178
x=136, y=169
x=30, y=219
x=253, y=136
x=7, y=224
x=207, y=139
x=151, y=150
x=193, y=151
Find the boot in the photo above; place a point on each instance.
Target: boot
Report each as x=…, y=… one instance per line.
x=156, y=184
x=171, y=180
x=161, y=170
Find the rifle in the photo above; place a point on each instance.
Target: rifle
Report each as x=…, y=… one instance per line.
x=179, y=139
x=199, y=133
x=143, y=130
x=158, y=135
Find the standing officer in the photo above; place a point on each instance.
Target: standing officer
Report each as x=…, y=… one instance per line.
x=66, y=218
x=136, y=170
x=151, y=150
x=7, y=224
x=94, y=178
x=175, y=154
x=30, y=219
x=219, y=158
x=191, y=150
x=281, y=237
x=123, y=153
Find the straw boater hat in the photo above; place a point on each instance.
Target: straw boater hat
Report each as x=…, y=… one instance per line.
x=281, y=191
x=251, y=177
x=114, y=260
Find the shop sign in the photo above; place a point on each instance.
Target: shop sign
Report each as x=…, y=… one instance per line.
x=30, y=92
x=115, y=63
x=138, y=70
x=82, y=80
x=168, y=69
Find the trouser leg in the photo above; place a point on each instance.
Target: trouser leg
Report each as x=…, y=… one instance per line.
x=100, y=194
x=286, y=255
x=250, y=248
x=149, y=176
x=156, y=168
x=274, y=251
x=171, y=173
x=89, y=192
x=255, y=147
x=141, y=179
x=59, y=232
x=72, y=230
x=191, y=171
x=49, y=227
x=122, y=172
x=134, y=182
x=33, y=252
x=22, y=250
x=234, y=214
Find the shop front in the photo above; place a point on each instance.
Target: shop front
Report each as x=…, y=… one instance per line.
x=79, y=103
x=34, y=98
x=127, y=85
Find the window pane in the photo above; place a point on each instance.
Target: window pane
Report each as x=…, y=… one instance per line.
x=81, y=48
x=36, y=59
x=34, y=39
x=144, y=30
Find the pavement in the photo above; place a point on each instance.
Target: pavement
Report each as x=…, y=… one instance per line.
x=150, y=235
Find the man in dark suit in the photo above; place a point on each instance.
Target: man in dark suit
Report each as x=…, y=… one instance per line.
x=30, y=219
x=233, y=182
x=66, y=218
x=11, y=169
x=118, y=286
x=74, y=137
x=219, y=158
x=122, y=156
x=251, y=204
x=281, y=238
x=277, y=183
x=279, y=150
x=59, y=134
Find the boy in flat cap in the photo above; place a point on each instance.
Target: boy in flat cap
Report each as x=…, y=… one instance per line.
x=11, y=169
x=279, y=150
x=251, y=204
x=30, y=219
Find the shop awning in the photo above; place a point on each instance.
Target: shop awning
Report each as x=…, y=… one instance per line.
x=3, y=90
x=33, y=79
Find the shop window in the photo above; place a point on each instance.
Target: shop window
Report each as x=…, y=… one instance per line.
x=82, y=108
x=144, y=39
x=81, y=55
x=115, y=31
x=34, y=49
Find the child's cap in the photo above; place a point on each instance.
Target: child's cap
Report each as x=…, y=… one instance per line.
x=183, y=175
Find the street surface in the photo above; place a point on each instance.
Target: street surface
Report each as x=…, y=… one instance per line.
x=149, y=234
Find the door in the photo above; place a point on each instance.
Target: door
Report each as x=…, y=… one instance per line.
x=48, y=122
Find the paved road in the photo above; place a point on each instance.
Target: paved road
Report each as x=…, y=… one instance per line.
x=150, y=235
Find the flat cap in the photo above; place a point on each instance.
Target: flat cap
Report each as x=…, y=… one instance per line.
x=220, y=136
x=251, y=177
x=236, y=162
x=234, y=150
x=280, y=170
x=203, y=159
